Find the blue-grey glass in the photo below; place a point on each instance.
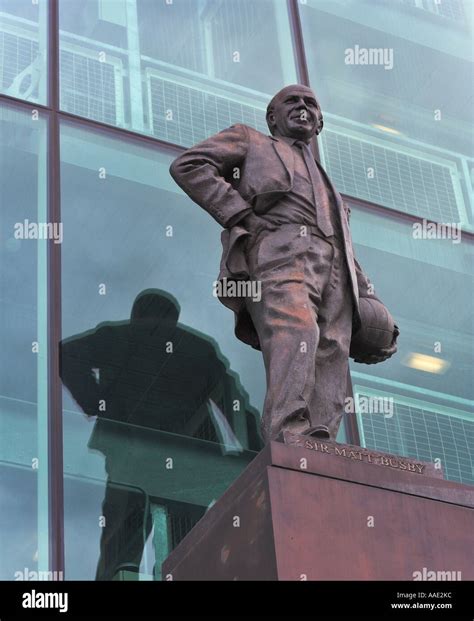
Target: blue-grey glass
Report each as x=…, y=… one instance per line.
x=23, y=345
x=179, y=70
x=24, y=49
x=394, y=80
x=427, y=284
x=159, y=416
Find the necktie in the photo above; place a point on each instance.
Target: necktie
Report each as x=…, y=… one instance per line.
x=321, y=198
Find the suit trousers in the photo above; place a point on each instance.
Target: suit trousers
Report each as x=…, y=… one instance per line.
x=304, y=324
x=127, y=526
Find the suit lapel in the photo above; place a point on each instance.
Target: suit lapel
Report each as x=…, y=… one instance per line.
x=336, y=194
x=286, y=155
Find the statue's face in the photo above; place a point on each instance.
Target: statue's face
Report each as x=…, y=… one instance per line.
x=296, y=114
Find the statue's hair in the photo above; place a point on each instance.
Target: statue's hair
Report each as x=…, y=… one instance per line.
x=282, y=93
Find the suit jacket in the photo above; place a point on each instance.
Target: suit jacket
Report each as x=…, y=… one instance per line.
x=240, y=169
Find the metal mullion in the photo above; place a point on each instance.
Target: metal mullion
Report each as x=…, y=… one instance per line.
x=393, y=213
x=22, y=103
x=55, y=421
x=120, y=132
x=300, y=55
x=298, y=47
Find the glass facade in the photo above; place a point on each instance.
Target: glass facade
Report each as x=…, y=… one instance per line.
x=24, y=343
x=386, y=73
x=147, y=352
x=160, y=402
x=24, y=49
x=431, y=409
x=394, y=135
x=213, y=64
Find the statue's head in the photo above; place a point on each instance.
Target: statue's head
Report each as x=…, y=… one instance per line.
x=155, y=307
x=294, y=112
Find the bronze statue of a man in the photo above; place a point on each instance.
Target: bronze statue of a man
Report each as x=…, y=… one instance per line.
x=286, y=226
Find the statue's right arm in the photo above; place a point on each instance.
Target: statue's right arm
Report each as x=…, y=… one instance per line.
x=201, y=172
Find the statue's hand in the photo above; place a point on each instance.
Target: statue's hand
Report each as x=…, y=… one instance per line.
x=384, y=354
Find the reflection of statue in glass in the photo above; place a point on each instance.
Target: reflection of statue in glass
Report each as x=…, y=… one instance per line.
x=286, y=226
x=139, y=377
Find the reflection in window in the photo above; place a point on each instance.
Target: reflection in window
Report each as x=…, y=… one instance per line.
x=23, y=49
x=427, y=285
x=160, y=400
x=23, y=343
x=180, y=71
x=385, y=73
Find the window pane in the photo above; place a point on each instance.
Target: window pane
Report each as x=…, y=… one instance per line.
x=159, y=417
x=427, y=285
x=395, y=84
x=23, y=344
x=23, y=49
x=181, y=70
